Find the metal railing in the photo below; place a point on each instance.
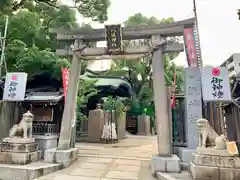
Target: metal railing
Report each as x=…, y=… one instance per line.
x=178, y=123
x=82, y=128
x=44, y=129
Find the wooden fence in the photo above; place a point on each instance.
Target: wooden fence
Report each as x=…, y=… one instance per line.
x=232, y=121
x=213, y=112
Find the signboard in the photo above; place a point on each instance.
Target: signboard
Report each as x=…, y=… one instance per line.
x=65, y=78
x=232, y=148
x=114, y=38
x=190, y=47
x=15, y=86
x=215, y=84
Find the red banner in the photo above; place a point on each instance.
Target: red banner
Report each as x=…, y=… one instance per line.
x=65, y=78
x=190, y=47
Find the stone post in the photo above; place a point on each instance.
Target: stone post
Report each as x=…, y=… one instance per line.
x=193, y=111
x=67, y=119
x=95, y=125
x=164, y=161
x=160, y=100
x=121, y=126
x=143, y=125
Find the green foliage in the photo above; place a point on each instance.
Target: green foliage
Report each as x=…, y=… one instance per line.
x=95, y=9
x=139, y=71
x=86, y=90
x=33, y=60
x=29, y=41
x=114, y=104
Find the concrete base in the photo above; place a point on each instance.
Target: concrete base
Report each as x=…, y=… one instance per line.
x=19, y=158
x=63, y=157
x=18, y=140
x=185, y=154
x=165, y=164
x=27, y=172
x=184, y=175
x=46, y=142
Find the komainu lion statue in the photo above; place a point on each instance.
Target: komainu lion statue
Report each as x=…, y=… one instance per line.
x=25, y=126
x=208, y=137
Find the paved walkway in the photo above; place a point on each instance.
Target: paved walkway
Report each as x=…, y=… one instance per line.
x=127, y=160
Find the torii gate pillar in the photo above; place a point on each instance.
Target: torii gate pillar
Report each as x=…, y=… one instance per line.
x=164, y=161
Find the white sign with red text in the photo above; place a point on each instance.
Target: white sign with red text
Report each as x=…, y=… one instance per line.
x=15, y=86
x=215, y=84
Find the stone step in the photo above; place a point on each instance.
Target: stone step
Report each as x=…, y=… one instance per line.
x=174, y=176
x=27, y=172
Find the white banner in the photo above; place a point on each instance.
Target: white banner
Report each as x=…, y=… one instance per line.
x=15, y=86
x=215, y=84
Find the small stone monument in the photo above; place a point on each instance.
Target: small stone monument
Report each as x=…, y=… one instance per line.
x=212, y=160
x=20, y=147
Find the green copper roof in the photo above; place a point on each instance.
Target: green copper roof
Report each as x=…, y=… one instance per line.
x=104, y=80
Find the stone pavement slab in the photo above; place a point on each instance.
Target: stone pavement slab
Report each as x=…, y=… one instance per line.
x=128, y=160
x=107, y=169
x=122, y=175
x=121, y=167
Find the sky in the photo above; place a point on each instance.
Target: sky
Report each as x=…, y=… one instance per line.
x=219, y=26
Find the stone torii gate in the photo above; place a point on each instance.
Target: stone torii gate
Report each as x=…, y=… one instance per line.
x=164, y=161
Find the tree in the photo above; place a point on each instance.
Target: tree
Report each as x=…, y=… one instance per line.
x=32, y=27
x=29, y=48
x=139, y=71
x=33, y=60
x=86, y=90
x=28, y=32
x=95, y=9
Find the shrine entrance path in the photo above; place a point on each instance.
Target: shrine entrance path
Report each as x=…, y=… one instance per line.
x=128, y=160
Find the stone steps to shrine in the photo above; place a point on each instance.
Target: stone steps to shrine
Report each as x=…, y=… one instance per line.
x=27, y=172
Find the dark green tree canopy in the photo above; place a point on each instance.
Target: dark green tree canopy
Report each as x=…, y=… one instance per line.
x=30, y=46
x=95, y=9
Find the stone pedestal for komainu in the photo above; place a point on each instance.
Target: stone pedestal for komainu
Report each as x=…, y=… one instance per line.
x=212, y=161
x=20, y=147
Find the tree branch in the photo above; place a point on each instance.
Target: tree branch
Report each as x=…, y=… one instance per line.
x=47, y=25
x=17, y=6
x=46, y=2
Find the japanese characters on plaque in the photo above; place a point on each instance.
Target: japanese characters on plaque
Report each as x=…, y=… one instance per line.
x=215, y=84
x=114, y=38
x=193, y=104
x=193, y=93
x=15, y=86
